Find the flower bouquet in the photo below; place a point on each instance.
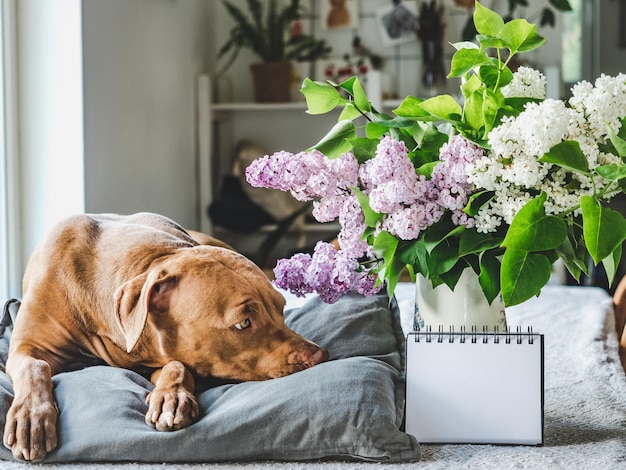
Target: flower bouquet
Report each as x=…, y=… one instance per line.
x=504, y=183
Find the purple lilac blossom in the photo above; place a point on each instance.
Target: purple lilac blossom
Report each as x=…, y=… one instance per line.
x=410, y=204
x=290, y=274
x=328, y=272
x=353, y=226
x=307, y=175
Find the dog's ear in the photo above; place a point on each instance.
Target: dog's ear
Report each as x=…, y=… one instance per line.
x=148, y=292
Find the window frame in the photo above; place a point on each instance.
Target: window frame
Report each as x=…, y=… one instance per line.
x=10, y=248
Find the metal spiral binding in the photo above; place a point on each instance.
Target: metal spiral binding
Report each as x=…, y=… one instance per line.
x=426, y=333
x=423, y=332
x=440, y=334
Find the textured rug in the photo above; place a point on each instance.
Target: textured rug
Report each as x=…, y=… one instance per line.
x=585, y=397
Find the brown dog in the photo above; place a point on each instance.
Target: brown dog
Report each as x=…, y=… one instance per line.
x=140, y=293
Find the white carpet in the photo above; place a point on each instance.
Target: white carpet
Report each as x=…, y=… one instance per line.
x=585, y=398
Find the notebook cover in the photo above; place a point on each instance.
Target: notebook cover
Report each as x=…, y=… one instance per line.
x=475, y=388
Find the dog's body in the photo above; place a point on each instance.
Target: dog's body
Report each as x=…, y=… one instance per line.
x=140, y=293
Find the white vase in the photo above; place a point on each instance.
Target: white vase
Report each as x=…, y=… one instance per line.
x=464, y=307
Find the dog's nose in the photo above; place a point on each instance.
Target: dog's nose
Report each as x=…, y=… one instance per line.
x=318, y=356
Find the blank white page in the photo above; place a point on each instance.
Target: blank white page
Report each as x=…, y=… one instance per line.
x=475, y=392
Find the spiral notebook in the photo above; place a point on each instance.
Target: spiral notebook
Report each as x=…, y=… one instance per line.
x=475, y=387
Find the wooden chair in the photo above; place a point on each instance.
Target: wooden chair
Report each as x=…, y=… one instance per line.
x=619, y=305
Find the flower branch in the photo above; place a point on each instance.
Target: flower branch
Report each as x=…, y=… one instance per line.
x=505, y=184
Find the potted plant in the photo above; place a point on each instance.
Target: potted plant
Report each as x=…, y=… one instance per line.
x=503, y=184
x=275, y=37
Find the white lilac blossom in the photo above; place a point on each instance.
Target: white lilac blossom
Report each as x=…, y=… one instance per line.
x=526, y=83
x=600, y=105
x=513, y=167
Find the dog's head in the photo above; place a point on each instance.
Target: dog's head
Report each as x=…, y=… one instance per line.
x=215, y=311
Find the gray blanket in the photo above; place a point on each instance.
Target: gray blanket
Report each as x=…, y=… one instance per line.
x=585, y=398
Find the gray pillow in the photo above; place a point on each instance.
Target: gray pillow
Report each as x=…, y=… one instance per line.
x=350, y=407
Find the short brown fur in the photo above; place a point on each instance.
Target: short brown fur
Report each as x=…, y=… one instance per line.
x=142, y=293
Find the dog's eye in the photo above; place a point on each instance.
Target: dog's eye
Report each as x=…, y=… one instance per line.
x=242, y=325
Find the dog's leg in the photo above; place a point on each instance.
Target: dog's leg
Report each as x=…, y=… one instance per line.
x=172, y=404
x=30, y=429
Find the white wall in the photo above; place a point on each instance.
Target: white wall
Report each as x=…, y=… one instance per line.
x=106, y=93
x=141, y=61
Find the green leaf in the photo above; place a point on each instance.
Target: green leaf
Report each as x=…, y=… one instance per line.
x=451, y=277
x=471, y=85
x=464, y=45
x=533, y=41
x=474, y=242
x=360, y=98
x=385, y=246
x=517, y=105
x=371, y=217
x=392, y=274
x=611, y=264
x=618, y=143
x=348, y=85
x=489, y=276
x=567, y=155
x=349, y=113
x=414, y=253
x=320, y=97
x=489, y=42
x=522, y=275
x=440, y=231
x=476, y=201
x=428, y=137
x=516, y=32
x=465, y=60
x=568, y=254
x=487, y=21
x=337, y=141
x=473, y=110
x=397, y=123
x=410, y=108
x=426, y=169
x=603, y=228
x=442, y=258
x=442, y=107
x=363, y=148
x=492, y=74
x=612, y=172
x=491, y=106
x=375, y=130
x=533, y=230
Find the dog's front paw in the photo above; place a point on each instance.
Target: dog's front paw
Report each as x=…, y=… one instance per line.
x=171, y=408
x=30, y=431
